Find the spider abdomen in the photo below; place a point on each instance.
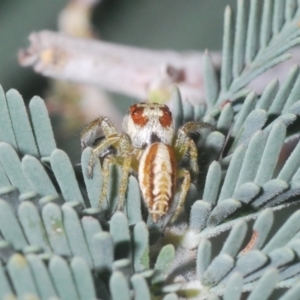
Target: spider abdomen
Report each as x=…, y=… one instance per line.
x=157, y=178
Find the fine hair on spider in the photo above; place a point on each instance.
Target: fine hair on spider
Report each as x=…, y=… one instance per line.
x=152, y=150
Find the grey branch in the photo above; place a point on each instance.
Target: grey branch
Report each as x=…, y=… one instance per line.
x=131, y=71
x=128, y=70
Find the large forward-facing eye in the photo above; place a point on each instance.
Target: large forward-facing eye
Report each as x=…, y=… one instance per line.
x=166, y=118
x=137, y=115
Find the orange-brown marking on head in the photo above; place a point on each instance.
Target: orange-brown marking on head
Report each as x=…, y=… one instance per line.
x=166, y=119
x=137, y=116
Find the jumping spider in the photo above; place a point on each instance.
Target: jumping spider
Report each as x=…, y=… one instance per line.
x=151, y=149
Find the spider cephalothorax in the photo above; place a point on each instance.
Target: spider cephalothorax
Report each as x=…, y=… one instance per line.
x=152, y=150
x=147, y=123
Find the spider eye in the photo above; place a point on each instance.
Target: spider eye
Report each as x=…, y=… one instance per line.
x=134, y=110
x=166, y=118
x=136, y=113
x=167, y=113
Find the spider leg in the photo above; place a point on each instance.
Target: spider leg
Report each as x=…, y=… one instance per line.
x=193, y=127
x=126, y=166
x=124, y=158
x=125, y=163
x=188, y=128
x=98, y=149
x=90, y=132
x=193, y=156
x=188, y=146
x=184, y=144
x=108, y=160
x=184, y=190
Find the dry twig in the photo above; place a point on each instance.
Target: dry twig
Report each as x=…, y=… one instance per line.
x=131, y=71
x=135, y=72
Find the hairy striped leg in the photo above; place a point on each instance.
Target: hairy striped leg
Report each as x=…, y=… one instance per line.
x=125, y=163
x=91, y=131
x=126, y=166
x=184, y=144
x=188, y=146
x=193, y=156
x=113, y=140
x=183, y=192
x=124, y=159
